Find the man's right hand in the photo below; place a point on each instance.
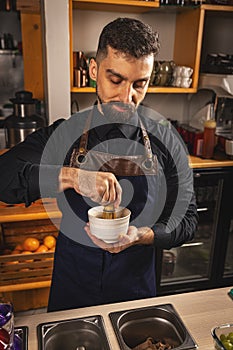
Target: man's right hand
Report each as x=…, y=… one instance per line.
x=101, y=187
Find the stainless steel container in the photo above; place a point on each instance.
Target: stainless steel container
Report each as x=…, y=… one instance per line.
x=85, y=333
x=24, y=119
x=161, y=323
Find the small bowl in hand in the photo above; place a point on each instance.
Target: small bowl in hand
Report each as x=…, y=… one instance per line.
x=109, y=230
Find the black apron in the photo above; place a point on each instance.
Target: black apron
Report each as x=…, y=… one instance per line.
x=85, y=275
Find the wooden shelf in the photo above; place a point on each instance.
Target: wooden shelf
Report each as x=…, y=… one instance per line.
x=171, y=89
x=141, y=5
x=191, y=56
x=25, y=286
x=220, y=8
x=10, y=52
x=188, y=34
x=132, y=6
x=151, y=90
x=36, y=211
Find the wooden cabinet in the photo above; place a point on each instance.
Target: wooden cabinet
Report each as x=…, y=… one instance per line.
x=188, y=36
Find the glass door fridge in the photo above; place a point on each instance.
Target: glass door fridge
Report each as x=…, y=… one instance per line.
x=197, y=264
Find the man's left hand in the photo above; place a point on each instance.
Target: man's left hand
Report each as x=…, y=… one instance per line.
x=142, y=235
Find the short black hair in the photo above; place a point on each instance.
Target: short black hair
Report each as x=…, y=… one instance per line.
x=129, y=36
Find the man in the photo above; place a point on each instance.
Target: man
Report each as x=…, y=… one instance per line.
x=118, y=152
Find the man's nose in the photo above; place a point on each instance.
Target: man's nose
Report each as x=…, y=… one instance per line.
x=127, y=94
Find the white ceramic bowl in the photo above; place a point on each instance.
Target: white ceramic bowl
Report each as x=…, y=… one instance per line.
x=108, y=230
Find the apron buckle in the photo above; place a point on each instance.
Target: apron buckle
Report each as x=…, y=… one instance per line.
x=147, y=164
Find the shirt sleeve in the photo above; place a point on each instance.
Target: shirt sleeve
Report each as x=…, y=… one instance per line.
x=178, y=221
x=20, y=169
x=166, y=238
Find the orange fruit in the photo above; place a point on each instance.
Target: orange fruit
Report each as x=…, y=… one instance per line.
x=49, y=241
x=31, y=244
x=19, y=247
x=15, y=251
x=41, y=249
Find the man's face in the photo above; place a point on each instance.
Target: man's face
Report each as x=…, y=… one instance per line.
x=122, y=82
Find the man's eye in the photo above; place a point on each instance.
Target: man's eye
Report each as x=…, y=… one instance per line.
x=140, y=84
x=116, y=81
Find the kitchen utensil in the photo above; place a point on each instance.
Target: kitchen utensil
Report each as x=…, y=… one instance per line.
x=164, y=74
x=109, y=212
x=186, y=82
x=186, y=72
x=24, y=119
x=181, y=76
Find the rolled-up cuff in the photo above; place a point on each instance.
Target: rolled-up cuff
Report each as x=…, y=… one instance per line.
x=162, y=239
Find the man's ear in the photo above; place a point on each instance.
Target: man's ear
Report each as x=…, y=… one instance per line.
x=93, y=69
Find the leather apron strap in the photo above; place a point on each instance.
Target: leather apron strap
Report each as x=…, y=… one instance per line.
x=136, y=165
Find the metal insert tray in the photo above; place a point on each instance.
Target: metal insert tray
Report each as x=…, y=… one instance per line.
x=161, y=322
x=21, y=338
x=86, y=333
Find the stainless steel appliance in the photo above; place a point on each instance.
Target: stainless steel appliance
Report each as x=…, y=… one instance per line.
x=224, y=117
x=24, y=119
x=222, y=86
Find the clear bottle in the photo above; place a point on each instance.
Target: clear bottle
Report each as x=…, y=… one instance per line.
x=209, y=136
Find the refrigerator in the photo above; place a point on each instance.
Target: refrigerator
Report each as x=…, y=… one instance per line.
x=207, y=260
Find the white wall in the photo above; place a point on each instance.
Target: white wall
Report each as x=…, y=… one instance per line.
x=92, y=22
x=56, y=19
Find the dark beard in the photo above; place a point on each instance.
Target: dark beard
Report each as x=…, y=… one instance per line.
x=114, y=115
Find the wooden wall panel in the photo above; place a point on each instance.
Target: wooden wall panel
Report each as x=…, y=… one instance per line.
x=32, y=54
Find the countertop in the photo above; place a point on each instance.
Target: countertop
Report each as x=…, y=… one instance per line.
x=199, y=311
x=201, y=163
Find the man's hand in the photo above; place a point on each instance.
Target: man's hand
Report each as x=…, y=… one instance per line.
x=101, y=187
x=142, y=235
